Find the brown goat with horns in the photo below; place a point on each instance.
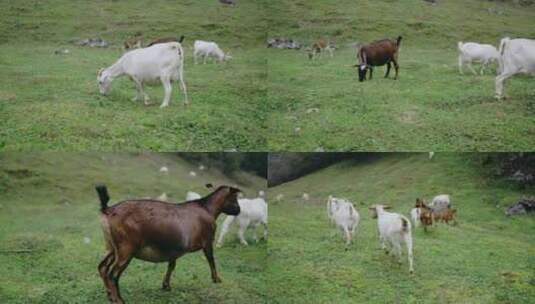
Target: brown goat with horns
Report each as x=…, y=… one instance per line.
x=158, y=231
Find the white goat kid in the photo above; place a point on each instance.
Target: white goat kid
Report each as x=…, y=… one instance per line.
x=162, y=62
x=517, y=56
x=474, y=52
x=208, y=49
x=394, y=229
x=344, y=215
x=253, y=212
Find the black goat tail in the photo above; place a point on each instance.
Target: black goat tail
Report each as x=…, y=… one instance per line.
x=399, y=40
x=103, y=196
x=181, y=39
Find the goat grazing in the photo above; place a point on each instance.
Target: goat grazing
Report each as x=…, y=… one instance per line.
x=162, y=62
x=344, y=215
x=253, y=213
x=394, y=229
x=157, y=231
x=474, y=52
x=517, y=56
x=378, y=53
x=208, y=49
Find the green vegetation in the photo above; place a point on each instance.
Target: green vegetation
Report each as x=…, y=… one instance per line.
x=51, y=102
x=486, y=258
x=430, y=106
x=49, y=207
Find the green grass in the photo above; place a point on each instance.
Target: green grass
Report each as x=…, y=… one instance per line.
x=430, y=106
x=486, y=258
x=51, y=102
x=49, y=206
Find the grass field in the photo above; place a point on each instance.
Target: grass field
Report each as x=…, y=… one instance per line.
x=430, y=106
x=49, y=207
x=51, y=102
x=486, y=258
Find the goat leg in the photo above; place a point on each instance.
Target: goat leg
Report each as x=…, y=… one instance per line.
x=388, y=66
x=209, y=254
x=170, y=268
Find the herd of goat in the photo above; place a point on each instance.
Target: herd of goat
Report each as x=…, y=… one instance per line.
x=394, y=229
x=162, y=61
x=157, y=230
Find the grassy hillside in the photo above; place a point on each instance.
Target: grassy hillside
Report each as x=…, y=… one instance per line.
x=486, y=258
x=430, y=106
x=51, y=102
x=49, y=207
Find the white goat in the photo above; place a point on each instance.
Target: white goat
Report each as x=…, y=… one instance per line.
x=440, y=202
x=474, y=52
x=253, y=212
x=208, y=49
x=190, y=195
x=162, y=62
x=394, y=229
x=517, y=56
x=344, y=215
x=415, y=216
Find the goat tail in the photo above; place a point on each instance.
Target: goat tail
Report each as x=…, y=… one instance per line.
x=398, y=41
x=404, y=225
x=103, y=196
x=503, y=43
x=181, y=39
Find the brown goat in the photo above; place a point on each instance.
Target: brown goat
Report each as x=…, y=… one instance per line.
x=134, y=43
x=378, y=53
x=158, y=231
x=166, y=39
x=319, y=47
x=427, y=216
x=446, y=216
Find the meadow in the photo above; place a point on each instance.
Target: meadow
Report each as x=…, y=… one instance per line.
x=51, y=241
x=51, y=102
x=486, y=258
x=321, y=106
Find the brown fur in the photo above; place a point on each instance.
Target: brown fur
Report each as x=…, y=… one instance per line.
x=378, y=53
x=158, y=231
x=134, y=43
x=166, y=39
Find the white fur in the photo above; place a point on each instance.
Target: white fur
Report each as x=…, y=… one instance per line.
x=163, y=62
x=253, y=212
x=517, y=56
x=440, y=202
x=392, y=234
x=208, y=49
x=474, y=52
x=344, y=215
x=415, y=217
x=190, y=195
